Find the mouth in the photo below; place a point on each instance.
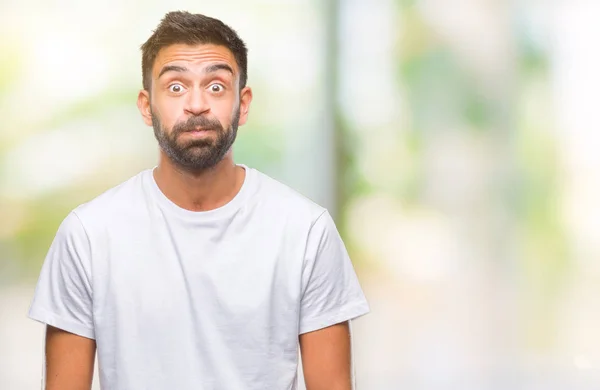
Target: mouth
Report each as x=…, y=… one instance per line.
x=198, y=132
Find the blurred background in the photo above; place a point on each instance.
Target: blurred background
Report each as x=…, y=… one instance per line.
x=453, y=141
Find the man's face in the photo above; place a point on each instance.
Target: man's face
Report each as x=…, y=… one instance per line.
x=195, y=104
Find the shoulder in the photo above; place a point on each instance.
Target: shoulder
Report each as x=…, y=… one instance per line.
x=114, y=202
x=283, y=200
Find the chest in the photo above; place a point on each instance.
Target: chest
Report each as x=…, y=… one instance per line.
x=221, y=275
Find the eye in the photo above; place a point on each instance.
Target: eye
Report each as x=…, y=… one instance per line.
x=176, y=88
x=216, y=88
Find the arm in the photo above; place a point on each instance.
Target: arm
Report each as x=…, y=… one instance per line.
x=63, y=302
x=331, y=296
x=69, y=360
x=326, y=358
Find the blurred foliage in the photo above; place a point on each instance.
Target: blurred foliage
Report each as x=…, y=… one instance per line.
x=443, y=96
x=545, y=258
x=436, y=83
x=9, y=65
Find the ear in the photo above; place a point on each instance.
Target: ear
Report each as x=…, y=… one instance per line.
x=245, y=100
x=143, y=103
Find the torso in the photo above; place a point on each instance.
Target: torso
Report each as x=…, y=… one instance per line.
x=198, y=301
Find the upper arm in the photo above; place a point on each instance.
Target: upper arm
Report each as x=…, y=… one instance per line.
x=63, y=296
x=326, y=358
x=69, y=360
x=331, y=293
x=63, y=300
x=331, y=296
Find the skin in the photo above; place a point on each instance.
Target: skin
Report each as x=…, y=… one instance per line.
x=192, y=82
x=69, y=360
x=326, y=358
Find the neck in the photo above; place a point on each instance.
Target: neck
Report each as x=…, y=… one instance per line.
x=199, y=191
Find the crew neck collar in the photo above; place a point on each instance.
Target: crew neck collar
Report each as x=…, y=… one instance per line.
x=220, y=212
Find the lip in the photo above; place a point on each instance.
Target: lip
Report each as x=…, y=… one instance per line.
x=199, y=132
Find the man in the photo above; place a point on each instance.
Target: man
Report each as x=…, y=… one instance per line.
x=199, y=273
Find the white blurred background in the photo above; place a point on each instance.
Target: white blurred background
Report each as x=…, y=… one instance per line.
x=454, y=142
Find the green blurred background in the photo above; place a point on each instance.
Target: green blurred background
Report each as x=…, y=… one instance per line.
x=453, y=141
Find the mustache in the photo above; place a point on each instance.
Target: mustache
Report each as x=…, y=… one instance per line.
x=197, y=121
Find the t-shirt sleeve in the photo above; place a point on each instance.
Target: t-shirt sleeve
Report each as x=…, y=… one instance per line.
x=63, y=294
x=331, y=292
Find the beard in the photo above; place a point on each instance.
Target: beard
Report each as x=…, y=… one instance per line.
x=196, y=155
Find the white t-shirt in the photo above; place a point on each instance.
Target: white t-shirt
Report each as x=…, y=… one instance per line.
x=177, y=299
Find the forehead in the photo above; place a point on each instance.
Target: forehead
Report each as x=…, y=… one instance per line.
x=193, y=56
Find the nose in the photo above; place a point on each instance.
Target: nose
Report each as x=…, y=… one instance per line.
x=196, y=103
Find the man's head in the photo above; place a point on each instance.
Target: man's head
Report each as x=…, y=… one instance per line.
x=194, y=71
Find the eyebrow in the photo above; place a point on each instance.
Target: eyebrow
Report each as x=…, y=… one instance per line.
x=172, y=68
x=209, y=69
x=216, y=67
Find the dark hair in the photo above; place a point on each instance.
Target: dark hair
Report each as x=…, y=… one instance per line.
x=184, y=27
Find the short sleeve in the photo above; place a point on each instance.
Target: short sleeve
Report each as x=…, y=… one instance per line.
x=331, y=292
x=63, y=294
